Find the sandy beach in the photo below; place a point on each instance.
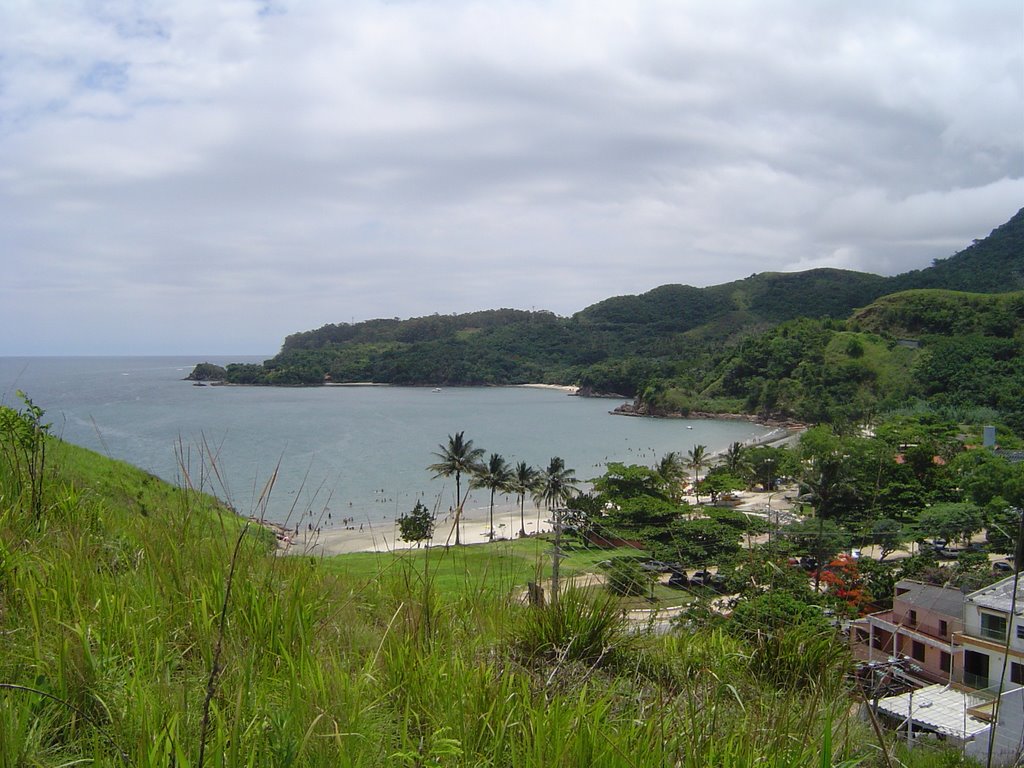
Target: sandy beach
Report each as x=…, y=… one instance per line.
x=569, y=389
x=338, y=538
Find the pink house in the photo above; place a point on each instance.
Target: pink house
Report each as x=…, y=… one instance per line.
x=920, y=628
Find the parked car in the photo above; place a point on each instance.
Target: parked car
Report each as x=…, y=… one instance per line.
x=707, y=579
x=656, y=566
x=1002, y=566
x=952, y=553
x=699, y=577
x=678, y=580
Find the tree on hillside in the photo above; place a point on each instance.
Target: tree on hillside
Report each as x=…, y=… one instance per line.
x=458, y=457
x=495, y=475
x=524, y=481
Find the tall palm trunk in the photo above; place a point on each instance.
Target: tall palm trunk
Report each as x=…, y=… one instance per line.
x=458, y=508
x=490, y=533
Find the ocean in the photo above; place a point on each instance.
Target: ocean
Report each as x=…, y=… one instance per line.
x=359, y=452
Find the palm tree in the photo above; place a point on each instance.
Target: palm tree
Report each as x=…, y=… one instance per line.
x=524, y=481
x=827, y=480
x=670, y=469
x=497, y=476
x=734, y=457
x=556, y=484
x=697, y=459
x=457, y=457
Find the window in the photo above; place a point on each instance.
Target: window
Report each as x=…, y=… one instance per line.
x=993, y=627
x=1020, y=631
x=1016, y=672
x=913, y=617
x=917, y=650
x=943, y=627
x=945, y=661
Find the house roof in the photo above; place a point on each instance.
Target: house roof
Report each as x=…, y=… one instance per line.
x=1014, y=457
x=999, y=596
x=940, y=708
x=943, y=600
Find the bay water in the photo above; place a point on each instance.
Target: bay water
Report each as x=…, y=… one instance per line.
x=359, y=451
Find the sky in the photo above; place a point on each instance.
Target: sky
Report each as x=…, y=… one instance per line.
x=208, y=176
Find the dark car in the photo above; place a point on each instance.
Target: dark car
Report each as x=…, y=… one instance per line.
x=707, y=579
x=700, y=578
x=678, y=580
x=1002, y=566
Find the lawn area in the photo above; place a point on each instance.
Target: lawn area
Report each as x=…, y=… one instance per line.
x=496, y=568
x=499, y=568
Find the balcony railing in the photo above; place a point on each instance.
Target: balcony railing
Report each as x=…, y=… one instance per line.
x=972, y=680
x=993, y=633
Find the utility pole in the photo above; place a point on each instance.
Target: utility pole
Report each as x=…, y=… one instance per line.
x=910, y=720
x=556, y=556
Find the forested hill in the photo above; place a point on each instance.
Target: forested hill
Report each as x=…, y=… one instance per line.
x=991, y=265
x=674, y=338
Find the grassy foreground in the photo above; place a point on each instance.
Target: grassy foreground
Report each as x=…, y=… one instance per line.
x=144, y=625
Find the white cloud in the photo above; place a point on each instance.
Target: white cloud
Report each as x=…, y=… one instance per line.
x=210, y=161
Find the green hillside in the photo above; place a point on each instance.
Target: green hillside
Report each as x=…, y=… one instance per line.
x=991, y=265
x=962, y=353
x=675, y=345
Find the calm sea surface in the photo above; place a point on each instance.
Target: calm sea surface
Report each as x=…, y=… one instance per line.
x=359, y=451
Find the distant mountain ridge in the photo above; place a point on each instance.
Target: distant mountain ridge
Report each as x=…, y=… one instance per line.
x=621, y=343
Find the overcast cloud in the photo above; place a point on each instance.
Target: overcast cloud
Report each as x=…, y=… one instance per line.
x=193, y=176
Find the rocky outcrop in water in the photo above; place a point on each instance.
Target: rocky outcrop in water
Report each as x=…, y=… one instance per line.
x=207, y=372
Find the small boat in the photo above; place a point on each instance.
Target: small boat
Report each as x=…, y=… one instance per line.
x=199, y=384
x=436, y=389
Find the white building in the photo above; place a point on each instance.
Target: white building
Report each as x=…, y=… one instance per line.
x=988, y=624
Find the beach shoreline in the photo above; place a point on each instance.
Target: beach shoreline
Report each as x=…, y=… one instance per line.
x=384, y=536
x=569, y=389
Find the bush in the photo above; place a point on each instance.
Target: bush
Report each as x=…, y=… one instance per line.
x=575, y=629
